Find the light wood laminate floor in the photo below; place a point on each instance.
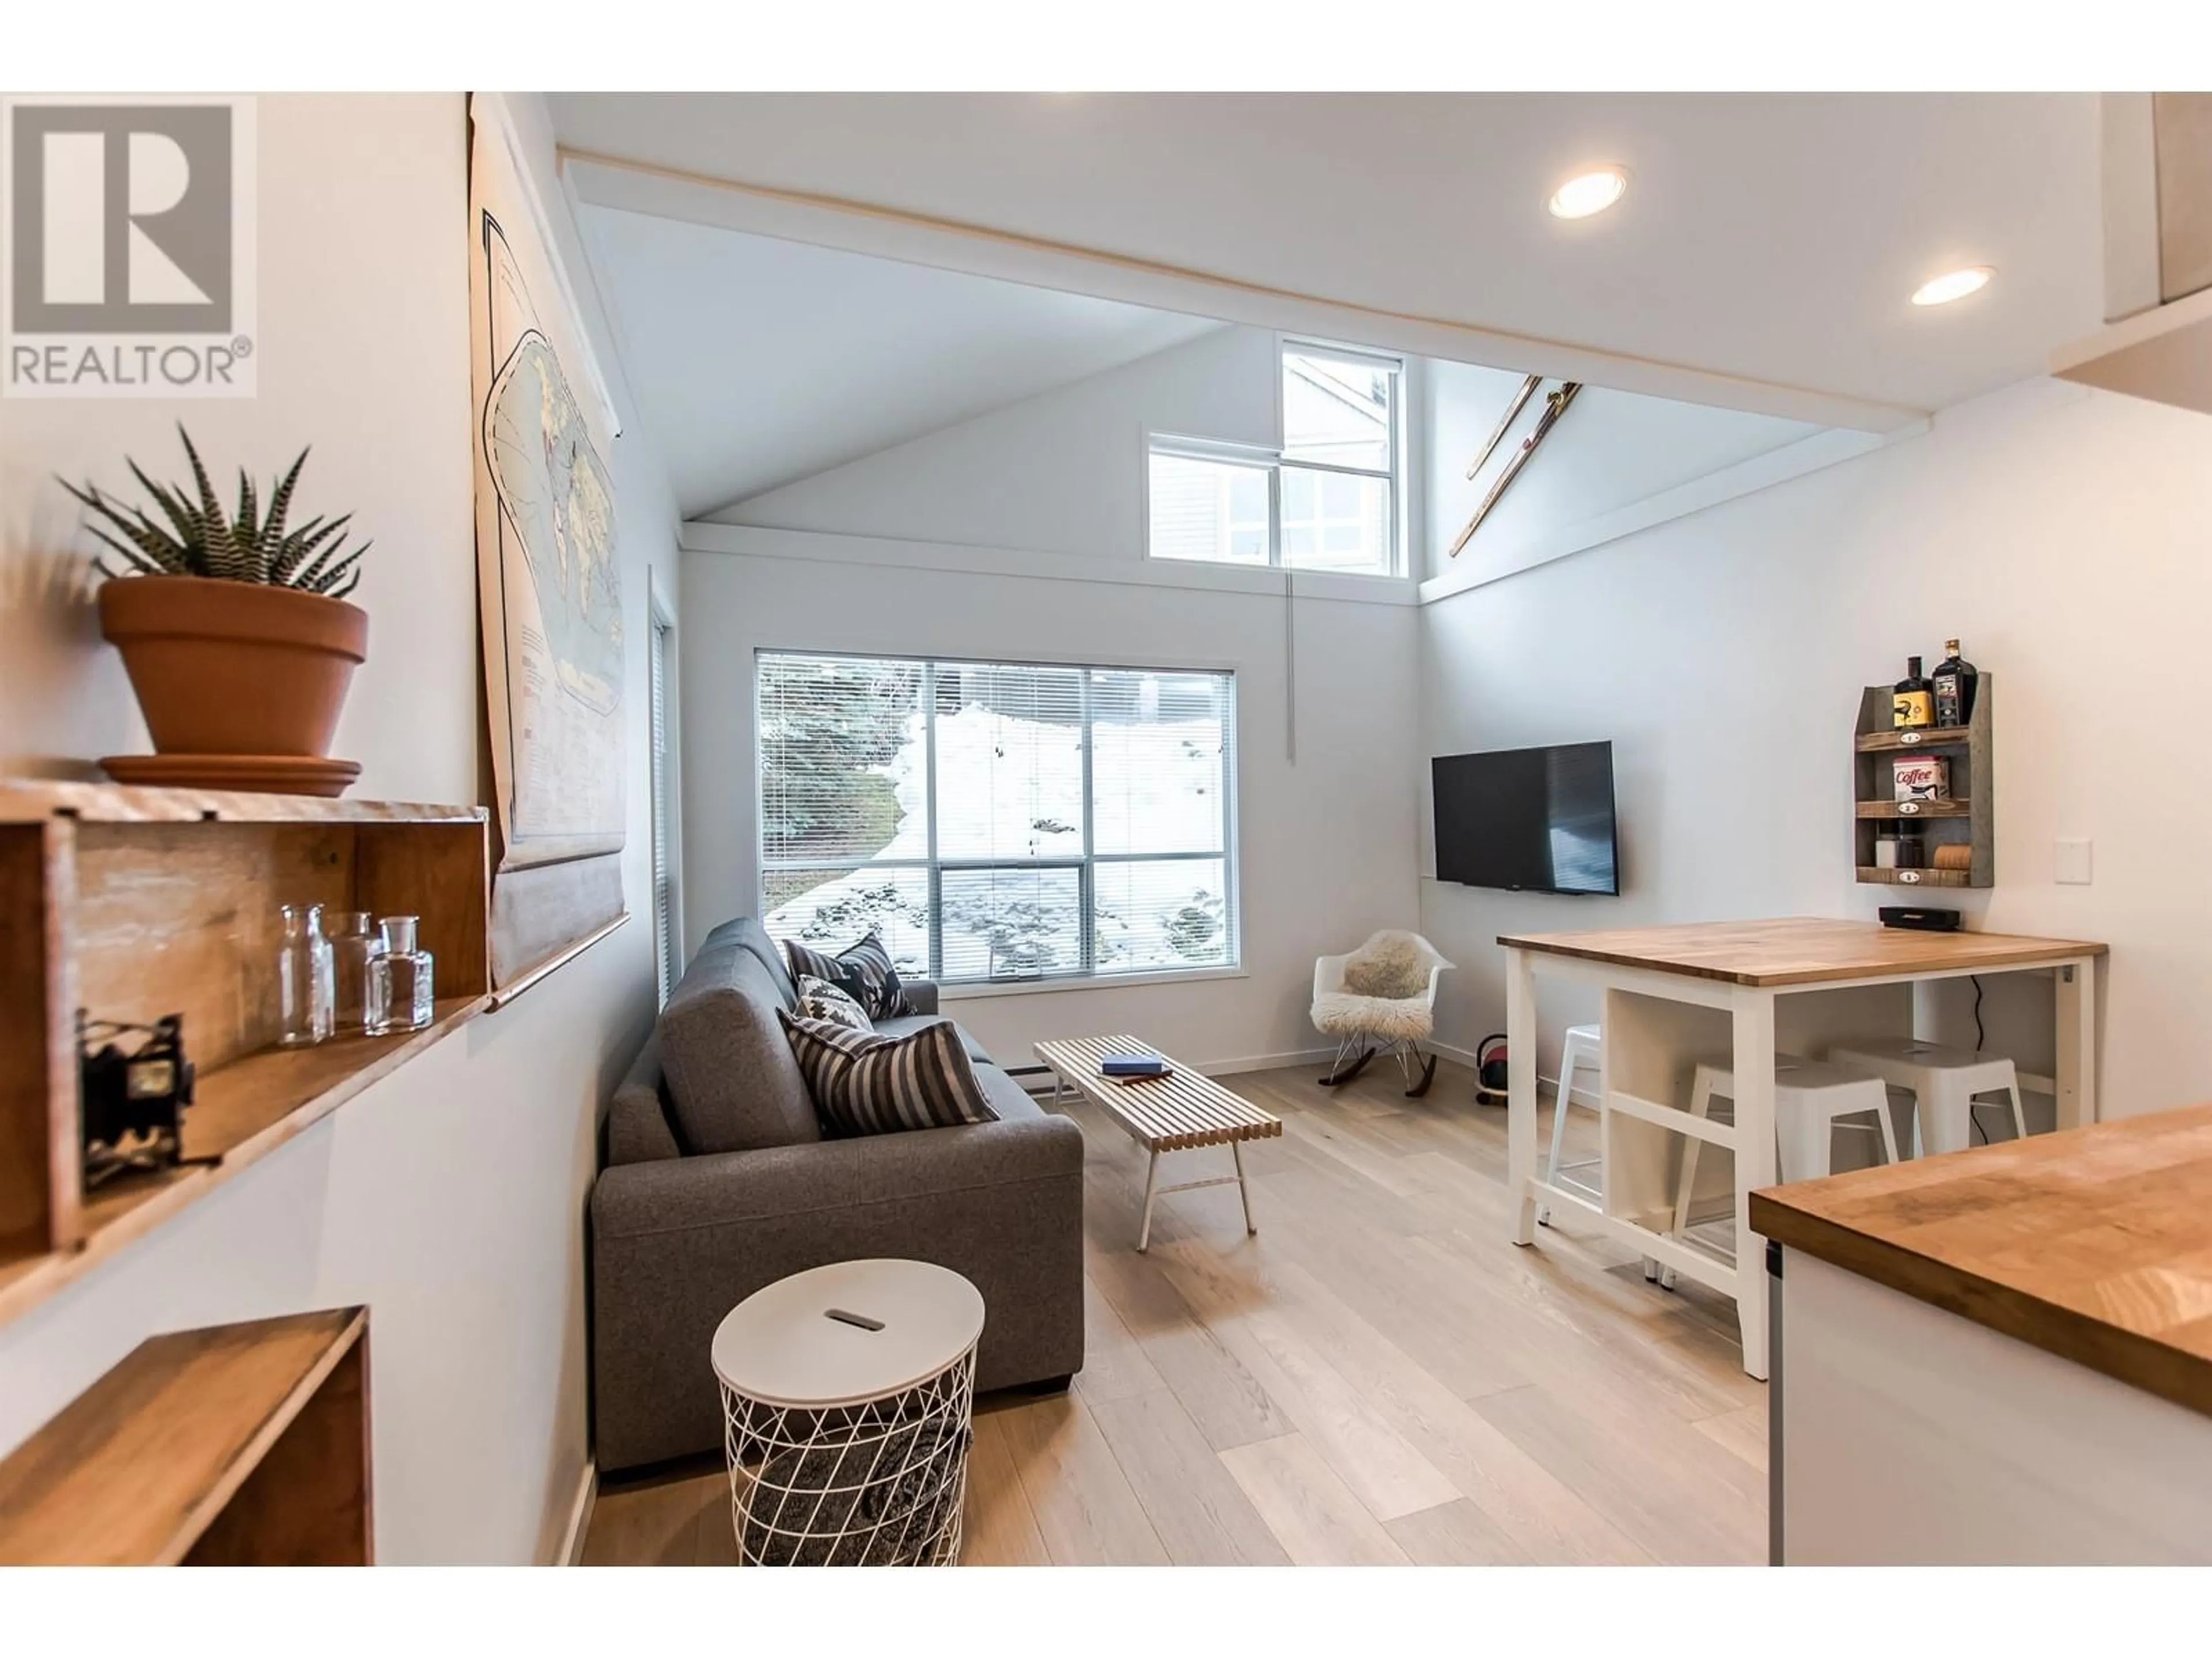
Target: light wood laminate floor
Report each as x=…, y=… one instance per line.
x=1378, y=1377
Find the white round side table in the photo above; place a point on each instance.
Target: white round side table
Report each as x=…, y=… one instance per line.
x=848, y=1390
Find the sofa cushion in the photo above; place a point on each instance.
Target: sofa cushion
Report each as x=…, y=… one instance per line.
x=863, y=971
x=866, y=1084
x=907, y=1024
x=733, y=1084
x=819, y=1000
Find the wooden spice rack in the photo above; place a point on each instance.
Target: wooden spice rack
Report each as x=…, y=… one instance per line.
x=135, y=903
x=1967, y=819
x=238, y=1445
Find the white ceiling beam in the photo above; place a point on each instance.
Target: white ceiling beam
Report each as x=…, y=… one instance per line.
x=862, y=227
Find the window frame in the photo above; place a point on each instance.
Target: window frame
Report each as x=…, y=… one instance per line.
x=1085, y=863
x=1272, y=459
x=665, y=850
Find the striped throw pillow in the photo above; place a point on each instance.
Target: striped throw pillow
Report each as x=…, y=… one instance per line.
x=866, y=1084
x=863, y=972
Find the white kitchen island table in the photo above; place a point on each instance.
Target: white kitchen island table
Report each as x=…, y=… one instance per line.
x=1738, y=991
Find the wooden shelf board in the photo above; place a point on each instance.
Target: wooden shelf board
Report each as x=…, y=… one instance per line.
x=1915, y=737
x=25, y=800
x=133, y=1471
x=552, y=964
x=242, y=1112
x=1922, y=808
x=1869, y=872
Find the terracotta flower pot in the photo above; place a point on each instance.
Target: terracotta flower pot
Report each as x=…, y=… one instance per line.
x=235, y=668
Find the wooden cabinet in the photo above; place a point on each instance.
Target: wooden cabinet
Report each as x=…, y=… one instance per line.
x=1967, y=819
x=238, y=1445
x=2157, y=195
x=131, y=904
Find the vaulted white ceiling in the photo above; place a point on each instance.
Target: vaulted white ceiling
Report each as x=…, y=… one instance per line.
x=758, y=362
x=1772, y=237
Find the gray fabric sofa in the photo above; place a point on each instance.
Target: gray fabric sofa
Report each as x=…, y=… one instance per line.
x=716, y=1180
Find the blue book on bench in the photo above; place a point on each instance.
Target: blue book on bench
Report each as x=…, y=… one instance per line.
x=1131, y=1065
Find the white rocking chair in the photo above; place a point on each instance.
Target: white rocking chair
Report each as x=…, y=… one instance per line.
x=1365, y=1024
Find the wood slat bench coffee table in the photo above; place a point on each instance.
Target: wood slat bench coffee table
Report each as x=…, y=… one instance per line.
x=1173, y=1114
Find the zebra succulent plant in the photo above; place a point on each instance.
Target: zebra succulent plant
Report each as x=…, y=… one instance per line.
x=202, y=538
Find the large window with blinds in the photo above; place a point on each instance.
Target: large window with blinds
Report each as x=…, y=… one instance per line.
x=999, y=822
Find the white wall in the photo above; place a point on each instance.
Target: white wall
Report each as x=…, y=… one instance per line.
x=1058, y=473
x=1047, y=496
x=450, y=1197
x=1609, y=449
x=1325, y=845
x=2063, y=534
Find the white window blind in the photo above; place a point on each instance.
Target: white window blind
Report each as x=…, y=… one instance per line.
x=667, y=940
x=999, y=821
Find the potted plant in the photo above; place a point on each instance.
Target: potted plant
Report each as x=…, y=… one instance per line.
x=234, y=631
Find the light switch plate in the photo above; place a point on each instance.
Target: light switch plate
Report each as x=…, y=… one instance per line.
x=2070, y=863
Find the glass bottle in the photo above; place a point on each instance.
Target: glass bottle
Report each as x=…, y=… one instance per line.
x=1914, y=703
x=1954, y=680
x=355, y=942
x=400, y=997
x=304, y=990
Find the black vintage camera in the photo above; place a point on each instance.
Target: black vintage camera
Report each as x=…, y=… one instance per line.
x=131, y=1102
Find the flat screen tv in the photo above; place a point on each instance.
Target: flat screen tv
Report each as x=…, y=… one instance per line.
x=1530, y=820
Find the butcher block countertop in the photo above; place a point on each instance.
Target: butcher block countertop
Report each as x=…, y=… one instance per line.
x=2094, y=1244
x=1799, y=949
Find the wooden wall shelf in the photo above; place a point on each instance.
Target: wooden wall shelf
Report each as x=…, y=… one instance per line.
x=1900, y=810
x=135, y=903
x=1967, y=817
x=1918, y=737
x=1916, y=878
x=238, y=1445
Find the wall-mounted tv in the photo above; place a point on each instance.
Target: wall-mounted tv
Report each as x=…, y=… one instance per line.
x=1530, y=820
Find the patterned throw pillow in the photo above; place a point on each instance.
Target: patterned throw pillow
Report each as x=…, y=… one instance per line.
x=819, y=1000
x=866, y=1084
x=863, y=972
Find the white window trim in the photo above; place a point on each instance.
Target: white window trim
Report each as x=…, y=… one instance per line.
x=1233, y=871
x=666, y=799
x=1157, y=441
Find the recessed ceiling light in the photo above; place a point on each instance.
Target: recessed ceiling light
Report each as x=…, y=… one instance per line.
x=1953, y=285
x=1590, y=192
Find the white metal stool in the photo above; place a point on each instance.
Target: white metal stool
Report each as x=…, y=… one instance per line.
x=1943, y=1082
x=1809, y=1096
x=1580, y=1052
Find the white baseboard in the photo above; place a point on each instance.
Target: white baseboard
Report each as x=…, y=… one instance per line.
x=580, y=1517
x=1268, y=1062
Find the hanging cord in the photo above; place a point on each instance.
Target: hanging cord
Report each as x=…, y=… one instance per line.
x=1290, y=668
x=1974, y=1107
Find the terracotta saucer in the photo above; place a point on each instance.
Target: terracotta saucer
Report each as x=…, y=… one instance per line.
x=260, y=774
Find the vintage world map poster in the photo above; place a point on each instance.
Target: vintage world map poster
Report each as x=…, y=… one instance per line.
x=549, y=572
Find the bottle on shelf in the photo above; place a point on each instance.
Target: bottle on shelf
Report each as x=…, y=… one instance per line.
x=399, y=981
x=305, y=988
x=355, y=942
x=1952, y=683
x=1914, y=703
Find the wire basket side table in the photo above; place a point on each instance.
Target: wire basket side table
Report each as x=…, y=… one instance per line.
x=848, y=1395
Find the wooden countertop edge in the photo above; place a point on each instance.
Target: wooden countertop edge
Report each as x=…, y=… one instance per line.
x=2068, y=953
x=2141, y=1362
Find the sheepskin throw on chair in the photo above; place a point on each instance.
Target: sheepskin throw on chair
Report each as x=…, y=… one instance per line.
x=1380, y=999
